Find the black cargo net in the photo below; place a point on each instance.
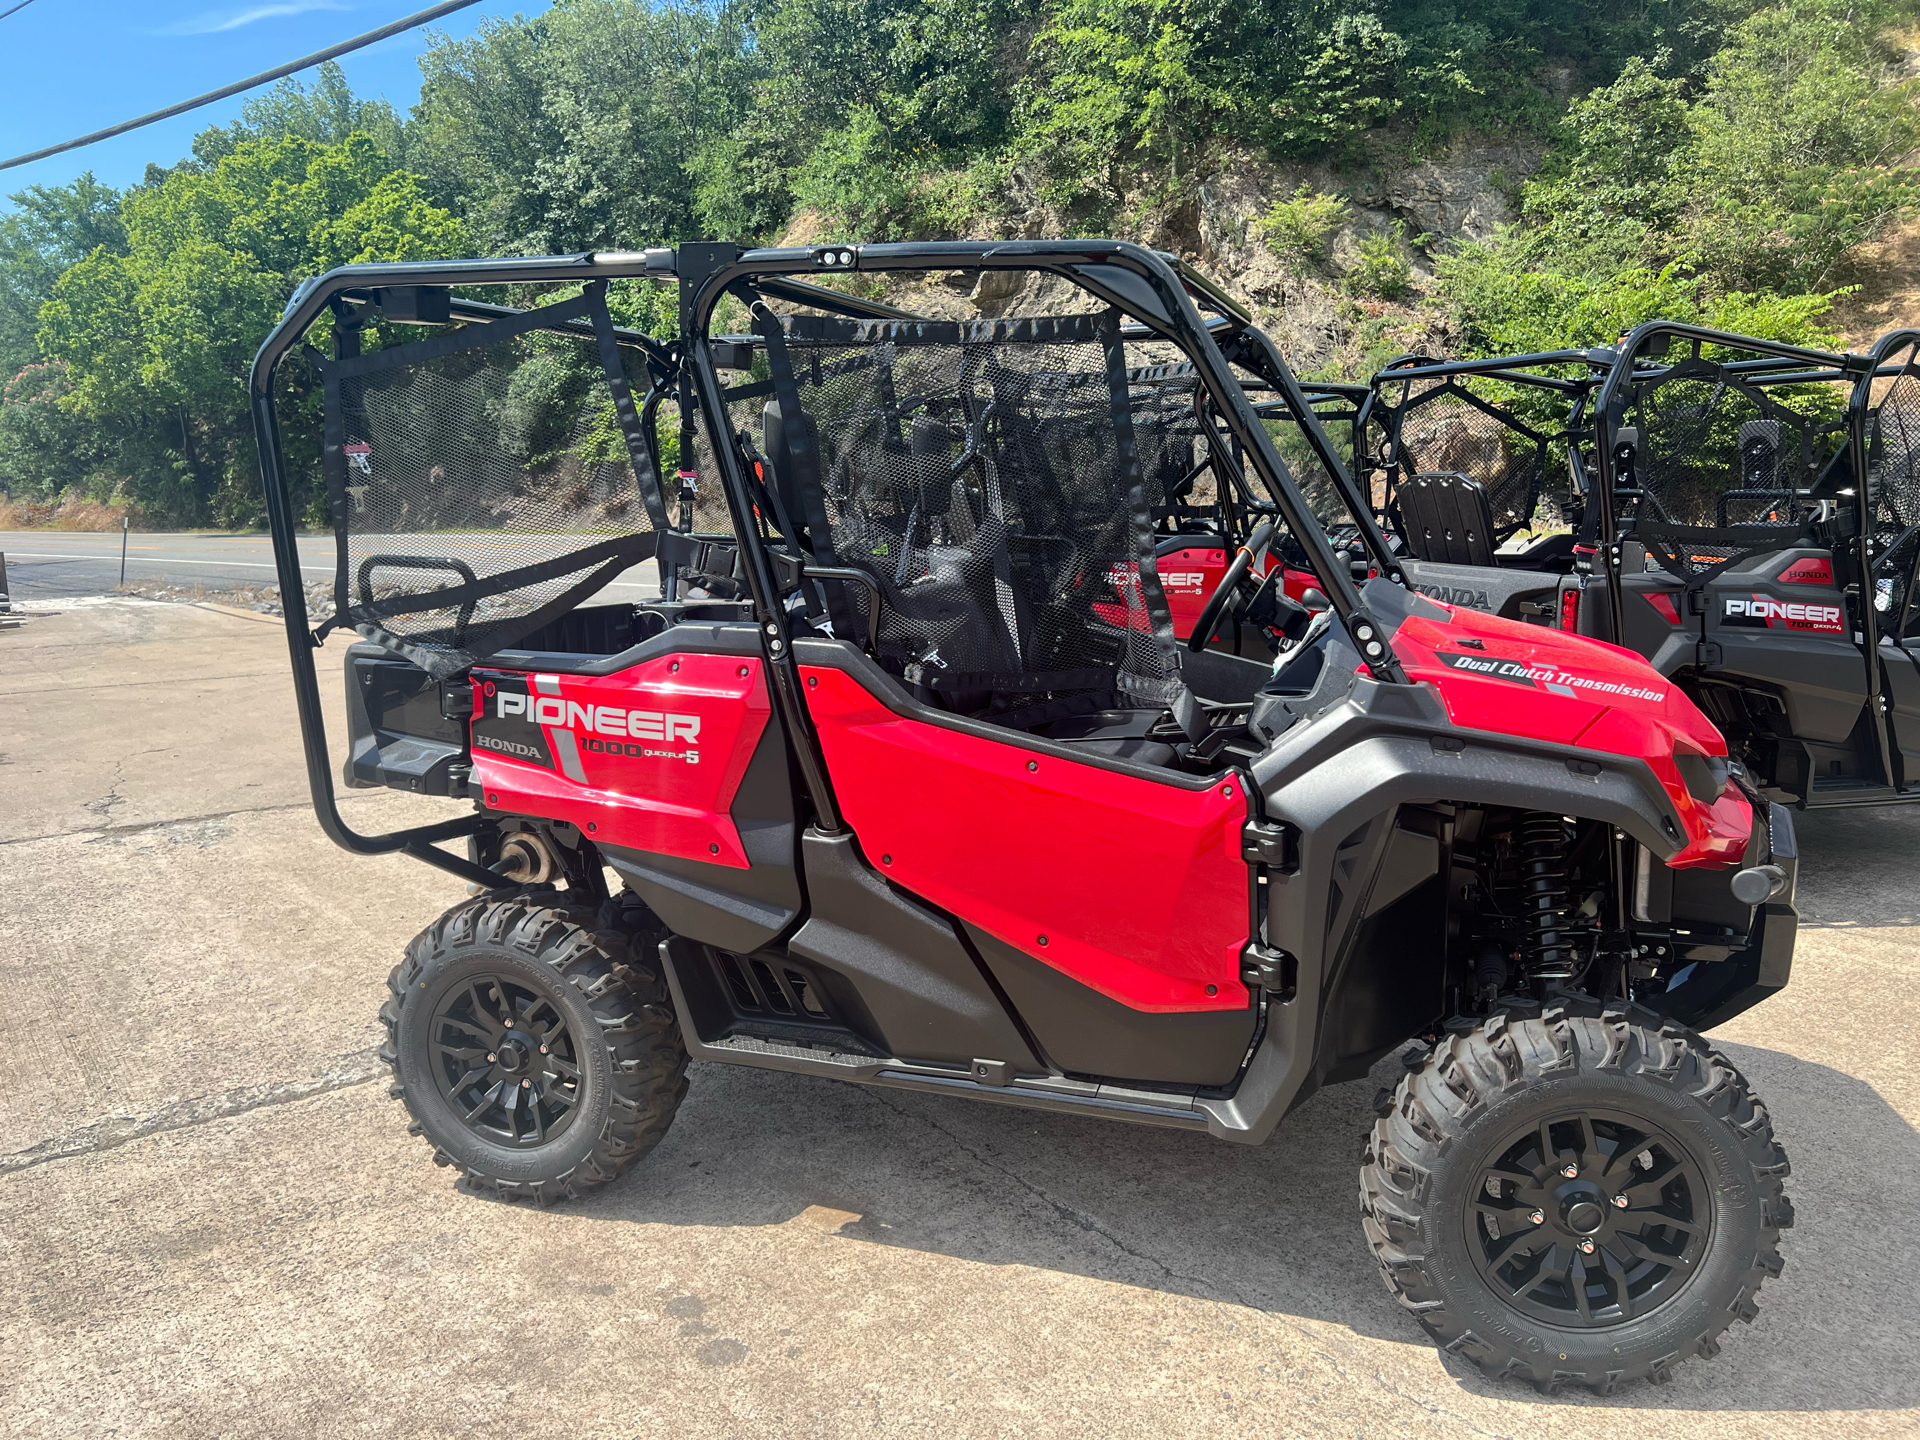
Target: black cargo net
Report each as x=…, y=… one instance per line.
x=1893, y=463
x=985, y=475
x=484, y=481
x=1441, y=427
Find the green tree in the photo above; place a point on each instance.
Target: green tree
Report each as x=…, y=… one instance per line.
x=156, y=341
x=1800, y=144
x=582, y=127
x=50, y=228
x=326, y=113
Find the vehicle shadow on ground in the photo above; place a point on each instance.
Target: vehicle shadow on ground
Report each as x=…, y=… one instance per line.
x=1276, y=1228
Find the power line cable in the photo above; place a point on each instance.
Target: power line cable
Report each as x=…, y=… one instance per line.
x=359, y=42
x=10, y=9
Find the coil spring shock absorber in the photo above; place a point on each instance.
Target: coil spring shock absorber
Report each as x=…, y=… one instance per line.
x=1542, y=842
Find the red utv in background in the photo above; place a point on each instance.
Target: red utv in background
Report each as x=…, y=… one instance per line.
x=1743, y=514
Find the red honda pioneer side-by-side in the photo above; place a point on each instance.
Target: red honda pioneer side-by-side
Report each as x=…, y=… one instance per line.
x=882, y=731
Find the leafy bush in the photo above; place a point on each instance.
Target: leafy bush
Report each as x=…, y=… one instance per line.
x=1301, y=229
x=1382, y=269
x=1725, y=202
x=854, y=178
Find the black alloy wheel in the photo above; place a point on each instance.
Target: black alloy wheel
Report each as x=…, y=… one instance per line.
x=506, y=1061
x=533, y=1043
x=1574, y=1193
x=1590, y=1218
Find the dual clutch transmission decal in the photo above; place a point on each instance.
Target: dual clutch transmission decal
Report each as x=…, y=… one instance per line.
x=1550, y=678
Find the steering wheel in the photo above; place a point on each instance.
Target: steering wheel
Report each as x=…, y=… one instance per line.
x=1217, y=601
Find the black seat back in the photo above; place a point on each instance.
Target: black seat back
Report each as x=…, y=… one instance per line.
x=1445, y=517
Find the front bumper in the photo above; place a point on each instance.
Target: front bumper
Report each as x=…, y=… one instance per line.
x=1703, y=995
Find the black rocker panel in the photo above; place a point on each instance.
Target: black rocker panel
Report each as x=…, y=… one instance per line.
x=924, y=991
x=1086, y=1034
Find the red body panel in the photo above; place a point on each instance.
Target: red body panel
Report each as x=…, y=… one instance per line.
x=1815, y=571
x=660, y=750
x=1585, y=694
x=1138, y=887
x=1664, y=603
x=1296, y=583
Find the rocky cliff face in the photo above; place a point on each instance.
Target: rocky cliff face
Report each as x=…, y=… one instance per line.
x=1323, y=322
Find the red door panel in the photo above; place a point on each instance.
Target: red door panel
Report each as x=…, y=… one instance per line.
x=1130, y=886
x=648, y=759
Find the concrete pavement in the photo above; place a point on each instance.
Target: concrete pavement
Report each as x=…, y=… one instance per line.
x=213, y=1222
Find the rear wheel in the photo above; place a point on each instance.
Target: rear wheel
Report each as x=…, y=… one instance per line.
x=1573, y=1194
x=533, y=1044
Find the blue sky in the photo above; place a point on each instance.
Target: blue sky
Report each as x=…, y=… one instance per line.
x=68, y=67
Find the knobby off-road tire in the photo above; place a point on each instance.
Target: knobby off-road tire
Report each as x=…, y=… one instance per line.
x=500, y=978
x=1456, y=1131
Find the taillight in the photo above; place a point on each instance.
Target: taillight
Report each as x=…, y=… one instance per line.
x=1569, y=609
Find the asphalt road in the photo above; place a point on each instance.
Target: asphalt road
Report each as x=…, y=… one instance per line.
x=214, y=1223
x=64, y=564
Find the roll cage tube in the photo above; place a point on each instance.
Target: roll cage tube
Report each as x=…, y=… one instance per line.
x=357, y=283
x=1135, y=280
x=1274, y=370
x=1510, y=369
x=1609, y=410
x=1773, y=362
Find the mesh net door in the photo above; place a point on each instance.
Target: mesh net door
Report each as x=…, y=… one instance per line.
x=1170, y=437
x=1714, y=450
x=1893, y=467
x=986, y=475
x=484, y=481
x=1720, y=467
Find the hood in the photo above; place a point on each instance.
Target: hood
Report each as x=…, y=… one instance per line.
x=1546, y=684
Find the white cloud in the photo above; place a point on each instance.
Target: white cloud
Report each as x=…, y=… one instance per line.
x=214, y=22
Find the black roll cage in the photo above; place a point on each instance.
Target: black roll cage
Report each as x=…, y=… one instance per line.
x=1160, y=294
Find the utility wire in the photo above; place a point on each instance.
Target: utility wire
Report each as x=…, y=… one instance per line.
x=359, y=42
x=11, y=8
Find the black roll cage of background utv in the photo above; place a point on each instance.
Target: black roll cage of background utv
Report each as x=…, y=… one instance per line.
x=1599, y=404
x=1156, y=290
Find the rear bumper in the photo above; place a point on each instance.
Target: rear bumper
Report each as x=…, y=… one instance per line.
x=1703, y=995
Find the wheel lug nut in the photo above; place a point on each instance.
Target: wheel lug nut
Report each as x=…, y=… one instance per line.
x=493, y=1059
x=524, y=1084
x=543, y=1049
x=1619, y=1202
x=1586, y=1247
x=1537, y=1218
x=1569, y=1171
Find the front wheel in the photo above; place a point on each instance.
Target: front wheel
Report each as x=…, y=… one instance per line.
x=1575, y=1194
x=533, y=1044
